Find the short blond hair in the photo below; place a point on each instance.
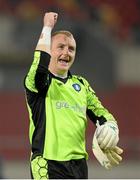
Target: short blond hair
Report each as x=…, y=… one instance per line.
x=67, y=33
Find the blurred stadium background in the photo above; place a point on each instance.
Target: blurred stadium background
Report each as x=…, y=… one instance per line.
x=108, y=55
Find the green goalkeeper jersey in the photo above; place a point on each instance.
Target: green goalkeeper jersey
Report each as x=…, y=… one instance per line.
x=57, y=111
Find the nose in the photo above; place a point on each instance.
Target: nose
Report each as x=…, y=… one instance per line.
x=65, y=50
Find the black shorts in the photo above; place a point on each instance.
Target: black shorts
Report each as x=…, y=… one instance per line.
x=49, y=169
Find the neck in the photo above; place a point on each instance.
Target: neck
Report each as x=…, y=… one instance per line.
x=54, y=71
x=60, y=75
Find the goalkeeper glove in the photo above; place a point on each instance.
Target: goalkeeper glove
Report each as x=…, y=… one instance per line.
x=108, y=157
x=107, y=134
x=113, y=155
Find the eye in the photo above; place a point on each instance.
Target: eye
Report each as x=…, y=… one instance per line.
x=61, y=46
x=71, y=48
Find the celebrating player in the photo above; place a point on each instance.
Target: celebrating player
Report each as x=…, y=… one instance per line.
x=58, y=103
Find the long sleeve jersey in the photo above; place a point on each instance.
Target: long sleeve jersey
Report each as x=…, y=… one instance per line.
x=58, y=110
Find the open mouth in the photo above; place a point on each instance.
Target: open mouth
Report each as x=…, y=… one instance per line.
x=64, y=61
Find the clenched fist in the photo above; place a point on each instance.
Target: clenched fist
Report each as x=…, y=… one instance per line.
x=50, y=19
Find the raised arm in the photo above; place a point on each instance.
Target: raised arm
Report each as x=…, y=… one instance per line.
x=36, y=79
x=44, y=42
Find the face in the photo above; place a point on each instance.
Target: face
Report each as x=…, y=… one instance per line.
x=63, y=49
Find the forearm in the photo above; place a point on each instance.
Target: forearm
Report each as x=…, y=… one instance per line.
x=96, y=111
x=44, y=41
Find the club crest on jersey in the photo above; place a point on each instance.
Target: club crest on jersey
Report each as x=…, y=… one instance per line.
x=76, y=87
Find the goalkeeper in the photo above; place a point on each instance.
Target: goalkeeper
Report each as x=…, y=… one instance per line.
x=58, y=103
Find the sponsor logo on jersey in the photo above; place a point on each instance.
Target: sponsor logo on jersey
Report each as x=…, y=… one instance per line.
x=74, y=107
x=77, y=87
